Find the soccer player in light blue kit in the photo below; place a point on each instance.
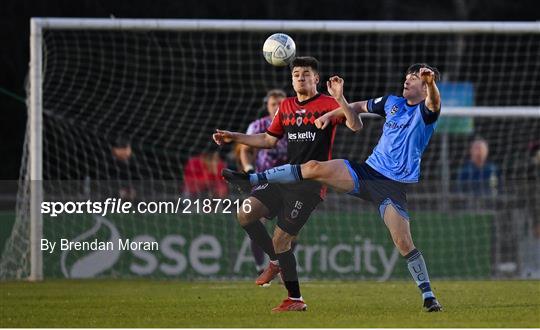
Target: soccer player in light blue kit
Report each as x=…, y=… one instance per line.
x=394, y=164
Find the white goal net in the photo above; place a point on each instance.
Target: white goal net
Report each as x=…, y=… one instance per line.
x=160, y=88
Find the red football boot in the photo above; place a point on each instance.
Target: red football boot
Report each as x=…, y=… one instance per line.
x=268, y=275
x=289, y=305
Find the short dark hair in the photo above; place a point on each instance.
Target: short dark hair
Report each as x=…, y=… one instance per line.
x=305, y=61
x=121, y=142
x=415, y=68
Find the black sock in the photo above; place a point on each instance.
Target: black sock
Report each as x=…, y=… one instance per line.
x=258, y=234
x=287, y=263
x=258, y=254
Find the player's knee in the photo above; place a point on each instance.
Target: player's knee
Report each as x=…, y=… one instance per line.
x=311, y=169
x=404, y=244
x=244, y=218
x=282, y=243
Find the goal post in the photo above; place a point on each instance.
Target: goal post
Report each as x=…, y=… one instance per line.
x=35, y=149
x=372, y=49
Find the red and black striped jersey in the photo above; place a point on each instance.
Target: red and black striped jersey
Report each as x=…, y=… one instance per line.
x=296, y=120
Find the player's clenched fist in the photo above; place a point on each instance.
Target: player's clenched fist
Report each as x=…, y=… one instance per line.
x=222, y=137
x=323, y=121
x=427, y=75
x=335, y=86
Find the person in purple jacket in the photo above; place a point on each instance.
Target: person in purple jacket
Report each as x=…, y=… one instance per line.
x=256, y=160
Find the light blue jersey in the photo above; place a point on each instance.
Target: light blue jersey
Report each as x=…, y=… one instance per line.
x=406, y=134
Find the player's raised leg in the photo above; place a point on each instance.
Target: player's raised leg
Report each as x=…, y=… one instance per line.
x=333, y=173
x=400, y=231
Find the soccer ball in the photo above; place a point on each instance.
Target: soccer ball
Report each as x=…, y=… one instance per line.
x=279, y=49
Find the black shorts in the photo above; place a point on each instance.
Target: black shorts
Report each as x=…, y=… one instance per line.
x=291, y=204
x=372, y=186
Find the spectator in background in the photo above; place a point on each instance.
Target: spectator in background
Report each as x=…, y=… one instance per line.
x=532, y=192
x=529, y=243
x=124, y=169
x=257, y=160
x=252, y=159
x=478, y=175
x=202, y=175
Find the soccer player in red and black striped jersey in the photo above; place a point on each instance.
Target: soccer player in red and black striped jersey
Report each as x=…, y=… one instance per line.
x=292, y=204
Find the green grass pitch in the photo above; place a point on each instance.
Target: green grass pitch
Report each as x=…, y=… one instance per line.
x=146, y=303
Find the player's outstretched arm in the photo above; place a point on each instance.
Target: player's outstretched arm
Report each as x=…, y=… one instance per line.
x=326, y=119
x=433, y=99
x=247, y=158
x=335, y=88
x=359, y=107
x=262, y=140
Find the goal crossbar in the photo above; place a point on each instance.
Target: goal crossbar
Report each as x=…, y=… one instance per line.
x=288, y=25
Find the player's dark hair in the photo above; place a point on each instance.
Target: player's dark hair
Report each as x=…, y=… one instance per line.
x=305, y=61
x=415, y=68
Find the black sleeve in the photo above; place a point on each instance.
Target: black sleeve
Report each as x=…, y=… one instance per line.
x=429, y=116
x=377, y=105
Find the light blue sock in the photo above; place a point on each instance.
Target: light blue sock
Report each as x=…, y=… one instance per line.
x=417, y=268
x=281, y=174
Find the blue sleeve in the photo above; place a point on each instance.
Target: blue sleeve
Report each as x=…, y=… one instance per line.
x=429, y=116
x=377, y=105
x=497, y=171
x=463, y=173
